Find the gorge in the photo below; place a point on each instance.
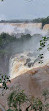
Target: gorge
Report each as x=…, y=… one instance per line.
x=24, y=47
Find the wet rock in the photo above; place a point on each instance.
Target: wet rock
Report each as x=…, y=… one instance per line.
x=30, y=64
x=27, y=60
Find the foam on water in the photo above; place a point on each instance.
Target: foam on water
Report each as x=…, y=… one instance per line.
x=18, y=66
x=6, y=28
x=16, y=63
x=28, y=28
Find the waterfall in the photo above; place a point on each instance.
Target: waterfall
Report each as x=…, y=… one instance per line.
x=18, y=28
x=23, y=54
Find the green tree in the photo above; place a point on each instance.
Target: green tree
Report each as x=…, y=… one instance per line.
x=16, y=99
x=3, y=80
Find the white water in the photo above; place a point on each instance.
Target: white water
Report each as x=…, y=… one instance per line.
x=16, y=63
x=22, y=47
x=22, y=28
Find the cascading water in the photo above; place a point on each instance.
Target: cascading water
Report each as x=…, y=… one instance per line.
x=22, y=55
x=22, y=28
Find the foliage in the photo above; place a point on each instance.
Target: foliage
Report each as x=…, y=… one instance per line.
x=41, y=105
x=43, y=43
x=40, y=58
x=3, y=80
x=9, y=110
x=37, y=105
x=46, y=94
x=42, y=20
x=16, y=99
x=5, y=39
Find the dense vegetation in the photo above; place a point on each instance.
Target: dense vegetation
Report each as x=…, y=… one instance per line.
x=5, y=39
x=42, y=20
x=16, y=99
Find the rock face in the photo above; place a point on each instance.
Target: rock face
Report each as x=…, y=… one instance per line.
x=33, y=82
x=0, y=109
x=46, y=27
